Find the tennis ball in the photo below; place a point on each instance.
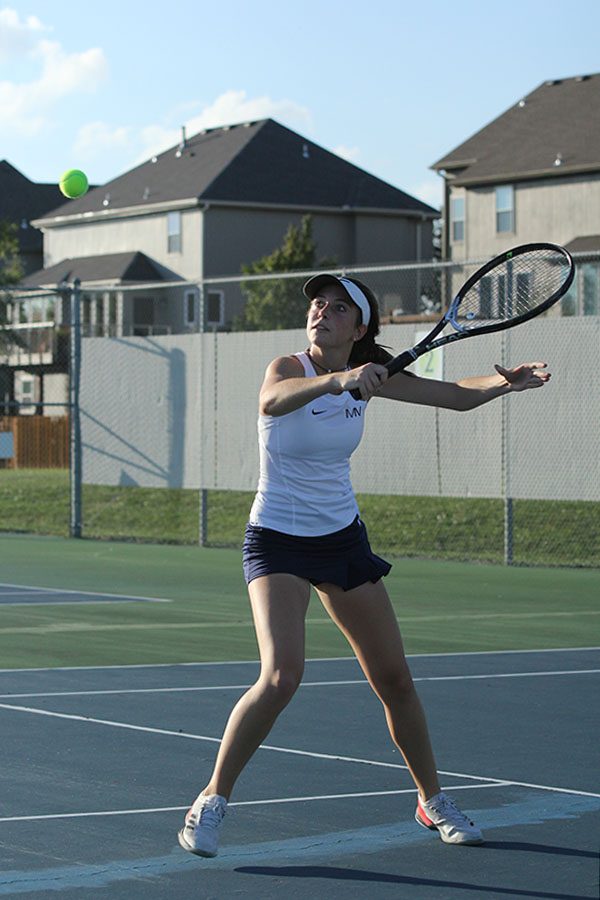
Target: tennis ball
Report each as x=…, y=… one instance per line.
x=73, y=183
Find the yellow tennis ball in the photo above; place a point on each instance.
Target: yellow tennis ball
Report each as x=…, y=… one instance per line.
x=73, y=183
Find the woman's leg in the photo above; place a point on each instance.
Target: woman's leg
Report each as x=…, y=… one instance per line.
x=366, y=618
x=279, y=604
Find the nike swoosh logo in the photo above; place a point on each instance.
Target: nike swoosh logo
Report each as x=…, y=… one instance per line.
x=318, y=412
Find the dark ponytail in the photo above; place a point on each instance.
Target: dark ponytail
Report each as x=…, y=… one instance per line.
x=366, y=350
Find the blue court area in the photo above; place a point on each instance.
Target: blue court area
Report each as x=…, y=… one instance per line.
x=21, y=595
x=100, y=764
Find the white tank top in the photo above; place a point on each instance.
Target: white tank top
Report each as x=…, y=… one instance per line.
x=304, y=486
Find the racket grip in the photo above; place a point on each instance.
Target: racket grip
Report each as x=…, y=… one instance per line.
x=395, y=365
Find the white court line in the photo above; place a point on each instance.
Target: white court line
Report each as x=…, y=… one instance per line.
x=275, y=800
x=304, y=684
x=50, y=591
x=248, y=623
x=311, y=754
x=315, y=659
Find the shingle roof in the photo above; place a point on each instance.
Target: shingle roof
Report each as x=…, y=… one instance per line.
x=22, y=200
x=589, y=243
x=252, y=163
x=120, y=267
x=558, y=121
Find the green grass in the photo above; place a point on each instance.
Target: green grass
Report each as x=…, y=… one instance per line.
x=441, y=606
x=547, y=533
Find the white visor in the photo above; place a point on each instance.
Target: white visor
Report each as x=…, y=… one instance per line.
x=354, y=292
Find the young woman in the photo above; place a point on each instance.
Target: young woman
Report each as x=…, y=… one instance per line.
x=305, y=530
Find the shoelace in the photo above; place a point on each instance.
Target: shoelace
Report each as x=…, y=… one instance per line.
x=211, y=816
x=447, y=805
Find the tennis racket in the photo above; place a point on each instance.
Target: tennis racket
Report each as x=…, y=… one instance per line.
x=511, y=288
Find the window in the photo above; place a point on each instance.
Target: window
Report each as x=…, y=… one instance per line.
x=457, y=217
x=215, y=308
x=583, y=297
x=189, y=308
x=485, y=298
x=505, y=209
x=502, y=296
x=523, y=285
x=174, y=232
x=590, y=276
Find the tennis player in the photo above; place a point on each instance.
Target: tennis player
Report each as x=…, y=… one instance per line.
x=305, y=530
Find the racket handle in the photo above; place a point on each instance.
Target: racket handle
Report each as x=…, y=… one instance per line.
x=395, y=365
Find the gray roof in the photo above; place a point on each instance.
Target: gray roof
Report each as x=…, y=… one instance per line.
x=130, y=267
x=22, y=200
x=558, y=121
x=589, y=243
x=252, y=163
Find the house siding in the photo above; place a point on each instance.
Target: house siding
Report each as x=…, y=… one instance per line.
x=147, y=233
x=555, y=210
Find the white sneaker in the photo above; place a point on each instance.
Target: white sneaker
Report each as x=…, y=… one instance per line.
x=441, y=814
x=200, y=833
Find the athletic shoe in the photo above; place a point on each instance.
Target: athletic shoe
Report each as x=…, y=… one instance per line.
x=200, y=833
x=441, y=814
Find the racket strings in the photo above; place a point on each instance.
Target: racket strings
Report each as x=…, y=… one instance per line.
x=513, y=288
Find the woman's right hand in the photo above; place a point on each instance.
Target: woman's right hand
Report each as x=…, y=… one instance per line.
x=365, y=379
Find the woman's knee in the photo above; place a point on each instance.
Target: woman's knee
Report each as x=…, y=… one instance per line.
x=393, y=682
x=280, y=684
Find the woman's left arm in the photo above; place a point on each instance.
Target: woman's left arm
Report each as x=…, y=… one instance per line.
x=468, y=393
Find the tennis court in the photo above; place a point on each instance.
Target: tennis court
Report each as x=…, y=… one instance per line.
x=111, y=708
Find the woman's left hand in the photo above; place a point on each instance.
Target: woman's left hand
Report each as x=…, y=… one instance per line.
x=525, y=376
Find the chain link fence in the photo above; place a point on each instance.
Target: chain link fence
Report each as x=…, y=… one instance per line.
x=116, y=428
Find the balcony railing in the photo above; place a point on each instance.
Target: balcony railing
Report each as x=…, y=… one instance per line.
x=32, y=344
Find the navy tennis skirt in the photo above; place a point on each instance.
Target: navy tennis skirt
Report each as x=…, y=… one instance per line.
x=344, y=557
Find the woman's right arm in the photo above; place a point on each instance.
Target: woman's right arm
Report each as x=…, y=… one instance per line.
x=285, y=387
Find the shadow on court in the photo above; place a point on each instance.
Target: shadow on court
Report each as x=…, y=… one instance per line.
x=365, y=876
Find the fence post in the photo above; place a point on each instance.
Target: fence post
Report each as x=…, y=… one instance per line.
x=75, y=420
x=203, y=494
x=506, y=485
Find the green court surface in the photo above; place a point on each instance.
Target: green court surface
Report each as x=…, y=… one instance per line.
x=441, y=606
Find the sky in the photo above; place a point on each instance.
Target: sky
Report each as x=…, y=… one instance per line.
x=390, y=85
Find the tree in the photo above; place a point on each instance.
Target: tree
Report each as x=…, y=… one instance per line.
x=11, y=273
x=278, y=303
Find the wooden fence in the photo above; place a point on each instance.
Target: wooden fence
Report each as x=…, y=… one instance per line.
x=40, y=442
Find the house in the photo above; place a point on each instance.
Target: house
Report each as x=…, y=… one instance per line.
x=22, y=201
x=532, y=174
x=208, y=205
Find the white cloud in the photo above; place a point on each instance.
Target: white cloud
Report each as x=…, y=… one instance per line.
x=430, y=191
x=352, y=154
x=18, y=37
x=26, y=105
x=229, y=108
x=97, y=138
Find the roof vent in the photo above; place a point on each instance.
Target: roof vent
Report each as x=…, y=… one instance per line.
x=305, y=151
x=554, y=81
x=154, y=159
x=106, y=201
x=146, y=193
x=559, y=160
x=522, y=103
x=182, y=143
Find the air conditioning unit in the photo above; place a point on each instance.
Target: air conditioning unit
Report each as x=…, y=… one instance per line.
x=27, y=392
